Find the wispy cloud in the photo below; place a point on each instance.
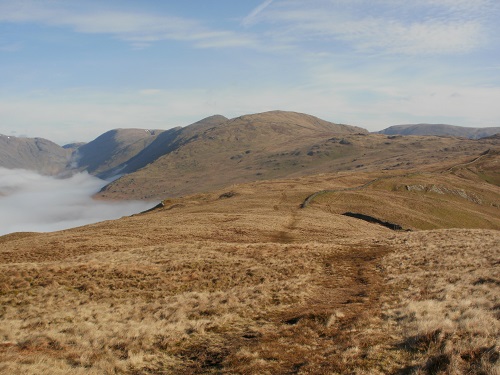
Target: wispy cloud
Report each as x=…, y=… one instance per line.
x=250, y=18
x=385, y=26
x=140, y=29
x=373, y=26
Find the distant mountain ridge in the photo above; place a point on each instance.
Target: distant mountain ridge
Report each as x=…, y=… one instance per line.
x=216, y=152
x=123, y=151
x=37, y=154
x=440, y=130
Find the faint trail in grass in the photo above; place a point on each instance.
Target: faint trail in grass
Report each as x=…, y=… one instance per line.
x=486, y=153
x=311, y=197
x=284, y=235
x=348, y=295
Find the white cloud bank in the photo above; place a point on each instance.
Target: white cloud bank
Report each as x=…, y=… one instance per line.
x=30, y=202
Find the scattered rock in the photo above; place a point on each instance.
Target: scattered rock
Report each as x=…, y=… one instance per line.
x=229, y=194
x=444, y=190
x=345, y=142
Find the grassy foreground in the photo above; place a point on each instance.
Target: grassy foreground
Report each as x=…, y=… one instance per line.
x=244, y=281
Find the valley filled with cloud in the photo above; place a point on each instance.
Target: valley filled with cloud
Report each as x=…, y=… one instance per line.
x=30, y=202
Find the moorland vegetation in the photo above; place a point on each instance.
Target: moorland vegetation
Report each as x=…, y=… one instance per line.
x=237, y=275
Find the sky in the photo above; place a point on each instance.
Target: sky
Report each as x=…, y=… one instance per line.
x=71, y=70
x=30, y=202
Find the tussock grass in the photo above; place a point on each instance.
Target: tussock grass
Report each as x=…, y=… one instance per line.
x=181, y=310
x=249, y=284
x=449, y=300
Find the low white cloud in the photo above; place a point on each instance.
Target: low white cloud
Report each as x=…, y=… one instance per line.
x=373, y=98
x=30, y=202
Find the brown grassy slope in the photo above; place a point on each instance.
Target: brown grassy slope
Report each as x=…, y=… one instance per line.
x=485, y=168
x=448, y=309
x=247, y=148
x=462, y=196
x=243, y=281
x=273, y=145
x=36, y=154
x=420, y=201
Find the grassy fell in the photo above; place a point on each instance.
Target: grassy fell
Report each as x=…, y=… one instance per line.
x=243, y=281
x=419, y=201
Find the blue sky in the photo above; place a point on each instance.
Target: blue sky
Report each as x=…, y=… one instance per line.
x=71, y=70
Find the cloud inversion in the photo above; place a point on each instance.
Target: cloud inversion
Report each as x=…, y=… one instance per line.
x=30, y=202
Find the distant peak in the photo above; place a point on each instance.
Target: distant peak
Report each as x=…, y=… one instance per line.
x=216, y=117
x=208, y=121
x=440, y=130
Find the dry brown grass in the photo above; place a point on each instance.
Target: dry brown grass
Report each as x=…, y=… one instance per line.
x=186, y=308
x=420, y=201
x=448, y=312
x=242, y=281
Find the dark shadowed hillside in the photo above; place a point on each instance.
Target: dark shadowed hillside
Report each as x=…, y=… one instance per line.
x=440, y=129
x=165, y=143
x=112, y=148
x=36, y=154
x=73, y=146
x=494, y=136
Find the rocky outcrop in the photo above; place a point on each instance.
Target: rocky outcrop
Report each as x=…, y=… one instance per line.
x=439, y=189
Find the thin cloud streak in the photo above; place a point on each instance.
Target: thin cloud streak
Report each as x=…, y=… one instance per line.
x=139, y=29
x=384, y=26
x=30, y=202
x=250, y=19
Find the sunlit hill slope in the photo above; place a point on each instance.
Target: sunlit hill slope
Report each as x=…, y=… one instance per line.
x=273, y=145
x=249, y=280
x=321, y=250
